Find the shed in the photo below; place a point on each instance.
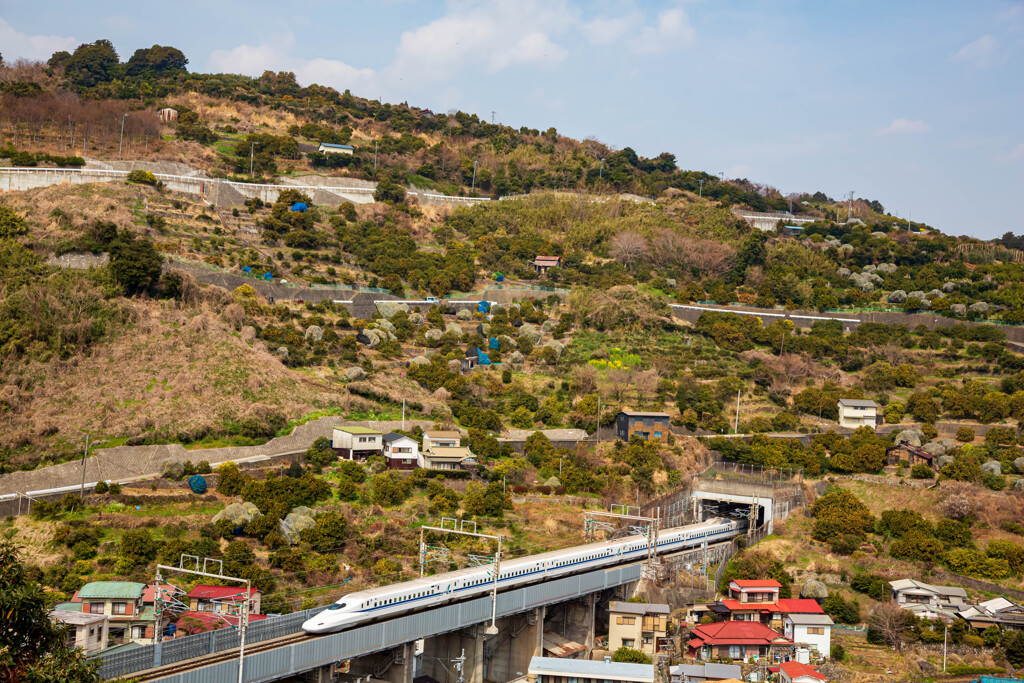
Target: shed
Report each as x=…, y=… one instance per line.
x=332, y=148
x=167, y=115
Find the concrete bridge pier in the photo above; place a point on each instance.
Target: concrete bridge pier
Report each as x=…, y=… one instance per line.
x=403, y=669
x=440, y=655
x=508, y=654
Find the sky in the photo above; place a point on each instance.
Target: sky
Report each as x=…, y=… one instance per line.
x=919, y=105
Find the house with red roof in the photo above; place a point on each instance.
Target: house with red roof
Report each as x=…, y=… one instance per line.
x=736, y=640
x=223, y=599
x=795, y=672
x=198, y=622
x=758, y=600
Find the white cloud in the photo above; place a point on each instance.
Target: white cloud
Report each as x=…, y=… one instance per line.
x=901, y=126
x=982, y=53
x=20, y=45
x=739, y=171
x=671, y=32
x=1015, y=154
x=495, y=35
x=253, y=60
x=602, y=31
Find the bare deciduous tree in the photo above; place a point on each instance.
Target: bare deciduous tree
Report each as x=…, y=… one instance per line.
x=629, y=247
x=645, y=382
x=620, y=379
x=891, y=621
x=584, y=379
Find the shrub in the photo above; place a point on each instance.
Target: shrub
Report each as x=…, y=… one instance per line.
x=630, y=655
x=996, y=482
x=101, y=487
x=921, y=471
x=838, y=652
x=141, y=177
x=114, y=489
x=965, y=434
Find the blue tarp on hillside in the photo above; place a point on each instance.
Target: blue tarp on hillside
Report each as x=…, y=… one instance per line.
x=299, y=207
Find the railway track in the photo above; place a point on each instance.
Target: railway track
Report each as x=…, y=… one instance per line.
x=218, y=657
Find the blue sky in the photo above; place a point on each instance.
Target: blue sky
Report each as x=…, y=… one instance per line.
x=919, y=105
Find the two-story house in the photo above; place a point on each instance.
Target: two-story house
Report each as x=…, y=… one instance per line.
x=637, y=625
x=737, y=640
x=121, y=601
x=855, y=412
x=648, y=426
x=400, y=451
x=357, y=443
x=758, y=600
x=222, y=599
x=907, y=592
x=812, y=630
x=87, y=631
x=442, y=450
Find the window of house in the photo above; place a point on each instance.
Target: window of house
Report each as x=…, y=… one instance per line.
x=627, y=621
x=628, y=642
x=735, y=652
x=119, y=608
x=816, y=630
x=95, y=608
x=138, y=631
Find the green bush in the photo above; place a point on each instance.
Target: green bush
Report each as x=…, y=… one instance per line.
x=921, y=471
x=101, y=487
x=141, y=177
x=838, y=652
x=965, y=434
x=114, y=488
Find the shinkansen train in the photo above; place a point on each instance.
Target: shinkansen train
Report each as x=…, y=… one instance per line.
x=411, y=596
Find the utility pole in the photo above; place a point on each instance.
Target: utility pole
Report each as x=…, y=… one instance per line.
x=700, y=190
x=375, y=143
x=945, y=632
x=849, y=207
x=736, y=429
x=120, y=144
x=252, y=153
x=473, y=187
x=492, y=117
x=600, y=171
x=81, y=493
x=403, y=414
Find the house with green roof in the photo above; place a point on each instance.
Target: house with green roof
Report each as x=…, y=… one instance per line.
x=357, y=443
x=122, y=602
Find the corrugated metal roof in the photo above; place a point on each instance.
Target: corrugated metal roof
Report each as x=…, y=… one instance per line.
x=585, y=668
x=561, y=647
x=68, y=606
x=638, y=607
x=638, y=413
x=439, y=434
x=857, y=403
x=335, y=145
x=112, y=589
x=812, y=619
x=391, y=437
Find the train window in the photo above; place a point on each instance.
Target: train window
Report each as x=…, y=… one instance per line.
x=336, y=606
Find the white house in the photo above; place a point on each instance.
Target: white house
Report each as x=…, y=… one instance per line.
x=813, y=630
x=401, y=451
x=331, y=148
x=795, y=672
x=912, y=592
x=855, y=412
x=356, y=443
x=443, y=439
x=88, y=631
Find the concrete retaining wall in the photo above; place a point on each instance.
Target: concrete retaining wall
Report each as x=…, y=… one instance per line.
x=133, y=462
x=805, y=319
